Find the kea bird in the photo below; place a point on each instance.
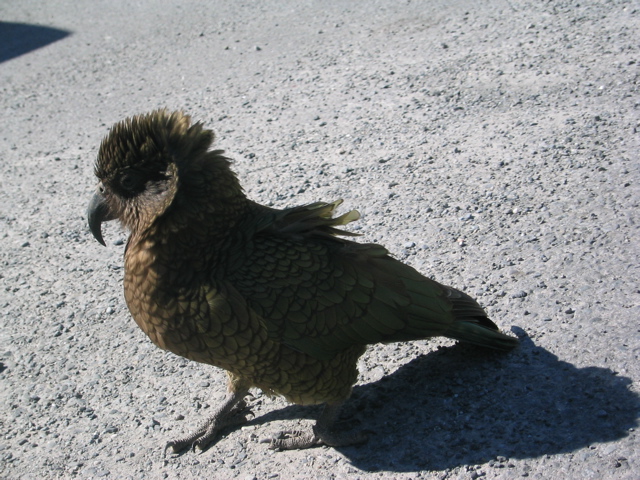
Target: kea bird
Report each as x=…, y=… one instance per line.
x=274, y=297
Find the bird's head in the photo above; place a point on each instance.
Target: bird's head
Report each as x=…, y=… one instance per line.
x=141, y=165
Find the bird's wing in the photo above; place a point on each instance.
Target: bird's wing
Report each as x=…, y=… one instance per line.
x=319, y=294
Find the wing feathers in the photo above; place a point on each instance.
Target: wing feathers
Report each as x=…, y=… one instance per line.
x=319, y=294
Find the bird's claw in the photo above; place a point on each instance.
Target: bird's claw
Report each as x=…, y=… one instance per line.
x=299, y=439
x=179, y=446
x=207, y=432
x=293, y=440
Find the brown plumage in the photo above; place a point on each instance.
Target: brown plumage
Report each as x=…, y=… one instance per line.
x=274, y=297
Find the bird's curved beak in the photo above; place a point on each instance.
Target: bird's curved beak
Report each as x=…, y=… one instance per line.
x=98, y=212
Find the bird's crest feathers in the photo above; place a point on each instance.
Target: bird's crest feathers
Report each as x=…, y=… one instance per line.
x=150, y=141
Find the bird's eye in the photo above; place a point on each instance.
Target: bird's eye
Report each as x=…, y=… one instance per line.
x=130, y=181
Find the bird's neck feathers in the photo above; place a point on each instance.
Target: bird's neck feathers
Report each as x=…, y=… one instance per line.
x=201, y=201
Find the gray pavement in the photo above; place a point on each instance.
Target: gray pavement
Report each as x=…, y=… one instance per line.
x=493, y=145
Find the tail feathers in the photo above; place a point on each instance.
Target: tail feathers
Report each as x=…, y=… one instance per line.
x=472, y=331
x=473, y=326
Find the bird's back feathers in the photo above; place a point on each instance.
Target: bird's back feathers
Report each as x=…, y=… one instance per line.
x=277, y=297
x=320, y=295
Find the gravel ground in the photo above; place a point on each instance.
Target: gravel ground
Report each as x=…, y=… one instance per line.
x=493, y=145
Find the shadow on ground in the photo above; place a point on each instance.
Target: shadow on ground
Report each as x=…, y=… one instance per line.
x=464, y=406
x=18, y=38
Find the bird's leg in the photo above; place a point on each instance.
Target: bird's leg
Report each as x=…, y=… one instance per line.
x=226, y=415
x=322, y=433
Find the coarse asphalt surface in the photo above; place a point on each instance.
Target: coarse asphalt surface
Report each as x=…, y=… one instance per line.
x=493, y=145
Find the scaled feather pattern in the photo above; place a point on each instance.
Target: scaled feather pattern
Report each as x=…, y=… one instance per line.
x=278, y=298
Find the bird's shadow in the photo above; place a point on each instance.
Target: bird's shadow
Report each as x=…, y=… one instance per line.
x=18, y=38
x=462, y=405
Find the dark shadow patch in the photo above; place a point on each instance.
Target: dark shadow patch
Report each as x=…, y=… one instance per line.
x=18, y=38
x=464, y=405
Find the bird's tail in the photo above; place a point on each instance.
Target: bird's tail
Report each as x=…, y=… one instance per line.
x=473, y=326
x=479, y=334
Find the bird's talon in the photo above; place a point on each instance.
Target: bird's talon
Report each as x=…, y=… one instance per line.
x=176, y=445
x=167, y=447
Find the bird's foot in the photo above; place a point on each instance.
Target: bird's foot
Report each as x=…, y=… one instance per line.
x=293, y=440
x=322, y=434
x=299, y=439
x=226, y=416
